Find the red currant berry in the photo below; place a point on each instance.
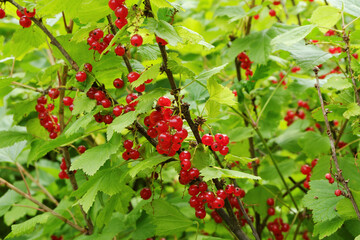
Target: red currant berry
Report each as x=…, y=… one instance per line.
x=53, y=135
x=136, y=40
x=338, y=192
x=134, y=154
x=224, y=150
x=186, y=164
x=54, y=93
x=207, y=140
x=285, y=227
x=97, y=34
x=108, y=119
x=62, y=175
x=256, y=17
x=161, y=41
x=164, y=102
x=106, y=103
x=306, y=184
x=193, y=190
x=29, y=14
x=25, y=22
x=176, y=122
x=130, y=99
x=63, y=165
x=185, y=155
x=119, y=50
x=128, y=144
x=98, y=118
x=272, y=13
x=99, y=95
x=271, y=211
x=270, y=201
x=148, y=81
x=221, y=194
x=238, y=192
x=194, y=202
x=118, y=83
x=108, y=37
x=88, y=67
x=42, y=100
x=140, y=88
x=194, y=173
x=218, y=202
x=215, y=146
x=19, y=13
x=331, y=180
x=155, y=117
x=183, y=133
x=126, y=155
x=201, y=214
x=81, y=76
x=121, y=11
x=50, y=107
x=121, y=22
x=40, y=108
x=203, y=186
x=230, y=188
x=113, y=4
x=152, y=132
x=133, y=76
x=305, y=169
x=117, y=111
x=328, y=176
x=314, y=162
x=145, y=193
x=81, y=149
x=68, y=101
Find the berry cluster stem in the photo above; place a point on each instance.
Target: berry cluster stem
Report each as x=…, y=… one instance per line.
x=339, y=177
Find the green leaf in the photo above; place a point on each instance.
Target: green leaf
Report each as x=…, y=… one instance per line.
x=326, y=228
x=146, y=164
x=163, y=30
x=337, y=83
x=151, y=73
x=232, y=12
x=314, y=144
x=212, y=108
x=83, y=104
x=10, y=154
x=120, y=123
x=293, y=36
x=191, y=37
x=26, y=39
x=91, y=160
x=27, y=226
x=257, y=197
x=350, y=6
x=335, y=113
x=8, y=138
x=207, y=74
x=7, y=200
x=167, y=218
x=352, y=110
x=80, y=123
x=220, y=94
x=322, y=200
x=202, y=157
x=41, y=147
x=325, y=17
x=242, y=160
x=212, y=172
x=146, y=101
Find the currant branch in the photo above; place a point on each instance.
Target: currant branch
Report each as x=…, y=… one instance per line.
x=339, y=175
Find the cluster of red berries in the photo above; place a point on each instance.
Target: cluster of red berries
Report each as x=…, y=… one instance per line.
x=291, y=116
x=306, y=170
x=281, y=77
x=295, y=69
x=330, y=33
x=47, y=120
x=271, y=210
x=303, y=104
x=245, y=64
x=130, y=153
x=121, y=12
x=278, y=227
x=221, y=140
x=166, y=128
x=94, y=40
x=250, y=164
x=63, y=174
x=25, y=20
x=68, y=101
x=329, y=178
x=336, y=70
x=133, y=76
x=334, y=50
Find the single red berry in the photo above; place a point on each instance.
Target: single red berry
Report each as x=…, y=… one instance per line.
x=19, y=13
x=97, y=34
x=2, y=13
x=230, y=188
x=133, y=76
x=118, y=83
x=121, y=22
x=272, y=13
x=134, y=154
x=54, y=93
x=164, y=102
x=221, y=193
x=136, y=40
x=25, y=22
x=140, y=88
x=285, y=227
x=128, y=144
x=108, y=119
x=306, y=184
x=186, y=164
x=224, y=150
x=53, y=135
x=113, y=4
x=277, y=3
x=328, y=176
x=176, y=122
x=314, y=162
x=63, y=165
x=185, y=155
x=145, y=193
x=305, y=169
x=215, y=146
x=271, y=211
x=130, y=98
x=88, y=67
x=81, y=149
x=117, y=111
x=155, y=116
x=201, y=214
x=148, y=81
x=238, y=192
x=40, y=108
x=68, y=101
x=99, y=95
x=119, y=50
x=98, y=118
x=194, y=173
x=121, y=11
x=270, y=201
x=331, y=180
x=193, y=190
x=50, y=107
x=152, y=132
x=81, y=76
x=108, y=37
x=207, y=139
x=29, y=14
x=338, y=192
x=106, y=103
x=256, y=17
x=42, y=100
x=62, y=175
x=161, y=41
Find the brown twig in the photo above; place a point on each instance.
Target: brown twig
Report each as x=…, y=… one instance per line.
x=341, y=132
x=22, y=176
x=41, y=205
x=297, y=15
x=69, y=27
x=339, y=175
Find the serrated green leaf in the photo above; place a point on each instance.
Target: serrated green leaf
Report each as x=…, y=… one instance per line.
x=326, y=228
x=350, y=6
x=28, y=226
x=10, y=154
x=232, y=12
x=219, y=93
x=191, y=37
x=335, y=113
x=146, y=164
x=210, y=173
x=8, y=138
x=202, y=158
x=120, y=123
x=7, y=200
x=151, y=73
x=337, y=83
x=314, y=144
x=167, y=218
x=146, y=101
x=242, y=160
x=95, y=157
x=80, y=123
x=293, y=36
x=83, y=104
x=148, y=52
x=212, y=108
x=26, y=39
x=325, y=17
x=352, y=110
x=322, y=200
x=207, y=74
x=177, y=68
x=164, y=30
